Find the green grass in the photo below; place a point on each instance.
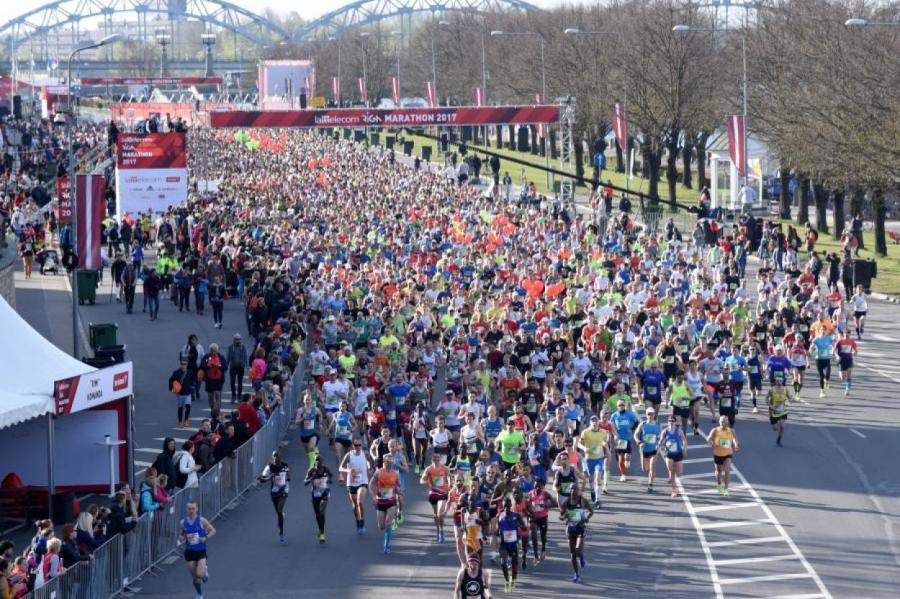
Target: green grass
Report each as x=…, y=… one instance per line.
x=888, y=277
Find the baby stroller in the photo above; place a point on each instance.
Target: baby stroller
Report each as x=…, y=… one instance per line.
x=49, y=261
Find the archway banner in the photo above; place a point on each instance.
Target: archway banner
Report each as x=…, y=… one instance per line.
x=452, y=116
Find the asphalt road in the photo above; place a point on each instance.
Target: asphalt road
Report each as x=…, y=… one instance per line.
x=820, y=516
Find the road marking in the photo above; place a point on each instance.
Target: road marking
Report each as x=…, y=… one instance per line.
x=727, y=506
x=857, y=433
x=884, y=338
x=798, y=596
x=755, y=560
x=712, y=490
x=757, y=541
x=735, y=524
x=147, y=449
x=881, y=372
x=143, y=464
x=769, y=578
x=698, y=446
x=696, y=460
x=170, y=560
x=696, y=475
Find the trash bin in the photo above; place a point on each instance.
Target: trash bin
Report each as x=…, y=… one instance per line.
x=114, y=352
x=63, y=507
x=88, y=279
x=864, y=270
x=103, y=334
x=104, y=362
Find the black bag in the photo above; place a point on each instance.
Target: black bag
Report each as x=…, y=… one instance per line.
x=181, y=478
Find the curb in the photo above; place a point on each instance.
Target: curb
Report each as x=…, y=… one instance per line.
x=893, y=299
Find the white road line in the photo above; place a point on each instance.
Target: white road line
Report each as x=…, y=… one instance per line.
x=713, y=490
x=696, y=460
x=769, y=578
x=727, y=506
x=756, y=541
x=701, y=536
x=735, y=523
x=755, y=560
x=690, y=476
x=881, y=372
x=143, y=464
x=147, y=449
x=699, y=446
x=798, y=596
x=857, y=433
x=885, y=338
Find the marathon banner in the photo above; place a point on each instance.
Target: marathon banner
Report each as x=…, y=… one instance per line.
x=151, y=172
x=378, y=117
x=63, y=200
x=736, y=139
x=620, y=125
x=151, y=81
x=92, y=389
x=90, y=209
x=429, y=94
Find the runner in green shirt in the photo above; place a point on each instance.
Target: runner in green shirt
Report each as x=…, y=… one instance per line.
x=511, y=442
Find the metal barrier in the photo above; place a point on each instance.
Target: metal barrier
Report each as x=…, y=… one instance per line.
x=125, y=558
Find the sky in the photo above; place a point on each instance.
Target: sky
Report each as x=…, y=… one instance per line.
x=308, y=10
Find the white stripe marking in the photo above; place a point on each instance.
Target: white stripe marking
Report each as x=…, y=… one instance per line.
x=798, y=596
x=147, y=450
x=757, y=541
x=698, y=446
x=696, y=460
x=885, y=338
x=755, y=560
x=771, y=577
x=728, y=506
x=713, y=490
x=857, y=433
x=143, y=464
x=735, y=524
x=882, y=373
x=690, y=476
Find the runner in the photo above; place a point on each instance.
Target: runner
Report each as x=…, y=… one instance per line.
x=320, y=477
x=860, y=308
x=509, y=523
x=675, y=444
x=594, y=441
x=754, y=375
x=388, y=498
x=436, y=477
x=309, y=417
x=357, y=465
x=823, y=348
x=576, y=512
x=340, y=428
x=679, y=398
x=724, y=443
x=471, y=583
x=279, y=473
x=846, y=350
x=799, y=363
x=540, y=502
x=625, y=422
x=195, y=532
x=647, y=438
x=777, y=399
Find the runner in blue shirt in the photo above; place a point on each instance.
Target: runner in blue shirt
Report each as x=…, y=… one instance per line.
x=823, y=349
x=625, y=422
x=778, y=366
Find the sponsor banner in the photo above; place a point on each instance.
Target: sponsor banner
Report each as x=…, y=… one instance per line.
x=377, y=117
x=736, y=139
x=63, y=200
x=90, y=206
x=151, y=151
x=429, y=94
x=95, y=388
x=620, y=125
x=154, y=189
x=151, y=81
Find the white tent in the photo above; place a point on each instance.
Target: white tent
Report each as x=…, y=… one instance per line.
x=29, y=364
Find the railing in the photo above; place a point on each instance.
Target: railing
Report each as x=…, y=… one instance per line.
x=125, y=558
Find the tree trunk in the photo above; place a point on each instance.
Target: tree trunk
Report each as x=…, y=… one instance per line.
x=620, y=159
x=856, y=207
x=534, y=139
x=499, y=141
x=784, y=198
x=820, y=194
x=879, y=210
x=578, y=150
x=803, y=200
x=701, y=163
x=672, y=167
x=837, y=197
x=686, y=156
x=512, y=137
x=652, y=161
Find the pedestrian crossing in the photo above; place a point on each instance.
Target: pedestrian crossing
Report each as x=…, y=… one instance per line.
x=748, y=551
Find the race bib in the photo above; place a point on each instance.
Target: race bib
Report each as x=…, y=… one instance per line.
x=192, y=538
x=392, y=415
x=649, y=438
x=307, y=424
x=754, y=370
x=387, y=493
x=355, y=477
x=280, y=479
x=725, y=443
x=510, y=536
x=341, y=429
x=438, y=481
x=622, y=444
x=672, y=446
x=725, y=402
x=597, y=386
x=564, y=488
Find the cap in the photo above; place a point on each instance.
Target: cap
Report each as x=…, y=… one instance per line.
x=237, y=336
x=595, y=418
x=651, y=410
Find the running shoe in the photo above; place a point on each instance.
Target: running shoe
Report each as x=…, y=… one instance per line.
x=725, y=492
x=387, y=549
x=535, y=561
x=674, y=493
x=822, y=393
x=846, y=391
x=582, y=561
x=755, y=410
x=720, y=488
x=508, y=587
x=281, y=537
x=395, y=524
x=649, y=488
x=623, y=478
x=605, y=491
x=441, y=537
x=778, y=441
x=827, y=385
x=576, y=579
x=321, y=538
x=512, y=585
x=596, y=505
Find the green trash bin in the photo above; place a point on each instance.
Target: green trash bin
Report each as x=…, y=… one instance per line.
x=88, y=279
x=103, y=335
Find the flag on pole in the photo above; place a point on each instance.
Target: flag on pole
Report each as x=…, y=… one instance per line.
x=307, y=88
x=395, y=91
x=429, y=94
x=336, y=89
x=541, y=127
x=736, y=147
x=90, y=206
x=478, y=96
x=363, y=96
x=620, y=126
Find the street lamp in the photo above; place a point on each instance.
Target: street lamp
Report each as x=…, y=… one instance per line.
x=684, y=29
x=163, y=39
x=865, y=23
x=71, y=172
x=208, y=40
x=399, y=44
x=332, y=38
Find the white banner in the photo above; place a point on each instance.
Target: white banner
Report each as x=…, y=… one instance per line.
x=150, y=189
x=93, y=389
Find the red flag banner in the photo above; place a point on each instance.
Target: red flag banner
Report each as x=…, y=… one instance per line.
x=395, y=91
x=736, y=140
x=541, y=127
x=380, y=117
x=336, y=89
x=63, y=200
x=478, y=96
x=620, y=125
x=429, y=94
x=363, y=96
x=90, y=207
x=307, y=88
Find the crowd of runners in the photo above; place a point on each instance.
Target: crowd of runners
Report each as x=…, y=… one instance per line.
x=505, y=362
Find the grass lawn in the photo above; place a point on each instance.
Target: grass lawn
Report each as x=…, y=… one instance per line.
x=888, y=276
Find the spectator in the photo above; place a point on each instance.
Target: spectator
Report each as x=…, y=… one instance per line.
x=212, y=370
x=119, y=521
x=182, y=383
x=148, y=503
x=247, y=414
x=129, y=285
x=51, y=564
x=152, y=286
x=187, y=467
x=70, y=552
x=226, y=445
x=164, y=464
x=18, y=577
x=90, y=532
x=237, y=361
x=160, y=494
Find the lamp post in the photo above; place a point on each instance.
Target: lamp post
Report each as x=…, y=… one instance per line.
x=399, y=44
x=332, y=38
x=209, y=40
x=163, y=39
x=684, y=29
x=71, y=172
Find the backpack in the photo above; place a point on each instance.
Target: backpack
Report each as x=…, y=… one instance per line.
x=181, y=478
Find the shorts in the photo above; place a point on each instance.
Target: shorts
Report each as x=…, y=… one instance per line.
x=695, y=400
x=756, y=383
x=183, y=400
x=383, y=506
x=308, y=438
x=352, y=489
x=682, y=412
x=846, y=364
x=798, y=367
x=592, y=465
x=675, y=457
x=773, y=420
x=192, y=555
x=434, y=498
x=510, y=549
x=573, y=531
x=729, y=411
x=720, y=459
x=859, y=313
x=346, y=443
x=648, y=454
x=627, y=449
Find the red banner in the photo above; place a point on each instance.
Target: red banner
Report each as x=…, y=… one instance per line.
x=429, y=94
x=151, y=150
x=377, y=117
x=736, y=139
x=64, y=200
x=336, y=89
x=90, y=204
x=93, y=389
x=620, y=126
x=151, y=81
x=541, y=128
x=478, y=96
x=395, y=91
x=363, y=96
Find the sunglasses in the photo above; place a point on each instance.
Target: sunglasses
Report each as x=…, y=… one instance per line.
x=357, y=445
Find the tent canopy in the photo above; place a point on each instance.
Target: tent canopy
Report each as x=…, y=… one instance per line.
x=29, y=365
